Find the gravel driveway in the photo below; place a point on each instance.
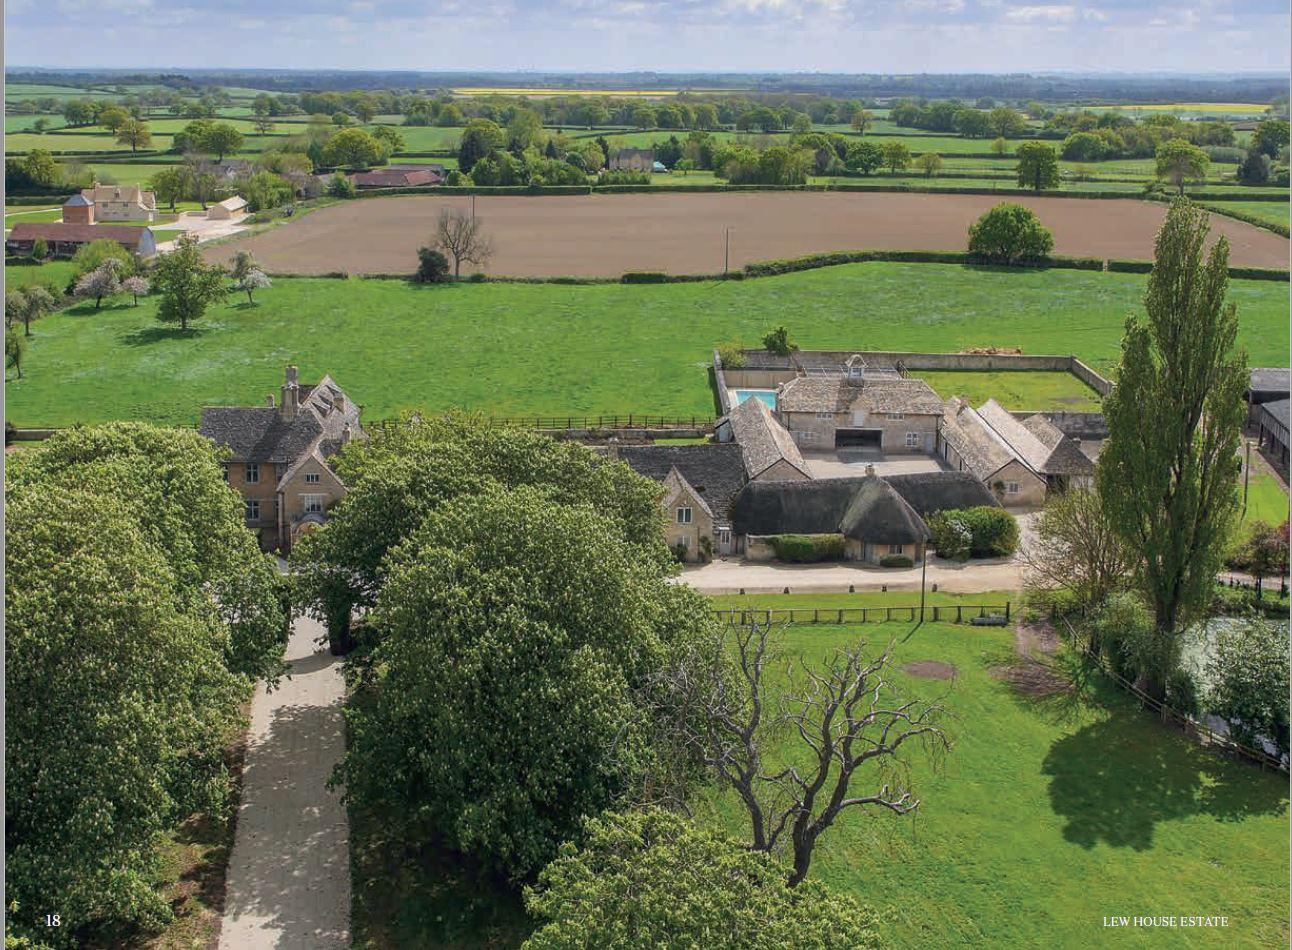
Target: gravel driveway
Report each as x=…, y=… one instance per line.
x=289, y=874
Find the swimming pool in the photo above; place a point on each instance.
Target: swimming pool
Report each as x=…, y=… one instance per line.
x=768, y=396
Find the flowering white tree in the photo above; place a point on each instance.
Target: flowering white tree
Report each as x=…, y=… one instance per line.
x=136, y=287
x=253, y=280
x=101, y=282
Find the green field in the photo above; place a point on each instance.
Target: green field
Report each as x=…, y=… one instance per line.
x=547, y=348
x=1273, y=211
x=1047, y=814
x=1050, y=813
x=1014, y=389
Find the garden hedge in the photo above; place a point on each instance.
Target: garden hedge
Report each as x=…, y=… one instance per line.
x=896, y=560
x=984, y=531
x=807, y=548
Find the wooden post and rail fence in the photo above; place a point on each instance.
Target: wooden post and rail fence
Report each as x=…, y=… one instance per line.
x=837, y=616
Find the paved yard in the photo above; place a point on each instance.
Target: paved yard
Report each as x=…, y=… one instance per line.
x=198, y=225
x=732, y=575
x=852, y=464
x=289, y=874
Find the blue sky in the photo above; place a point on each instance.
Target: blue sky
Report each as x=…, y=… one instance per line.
x=854, y=36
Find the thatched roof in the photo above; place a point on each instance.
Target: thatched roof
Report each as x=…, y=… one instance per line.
x=866, y=508
x=878, y=513
x=928, y=492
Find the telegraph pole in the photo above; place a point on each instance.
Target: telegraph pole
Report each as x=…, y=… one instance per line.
x=1247, y=473
x=726, y=252
x=924, y=566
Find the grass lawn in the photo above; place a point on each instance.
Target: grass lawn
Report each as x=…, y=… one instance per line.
x=1014, y=389
x=1273, y=211
x=1266, y=500
x=556, y=349
x=1049, y=814
x=57, y=273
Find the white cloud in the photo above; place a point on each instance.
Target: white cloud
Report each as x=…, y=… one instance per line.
x=1058, y=13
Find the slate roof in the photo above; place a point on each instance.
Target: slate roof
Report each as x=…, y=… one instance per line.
x=866, y=508
x=817, y=394
x=928, y=492
x=841, y=394
x=1278, y=409
x=77, y=201
x=79, y=233
x=762, y=439
x=1036, y=442
x=259, y=433
x=1269, y=381
x=984, y=453
x=715, y=472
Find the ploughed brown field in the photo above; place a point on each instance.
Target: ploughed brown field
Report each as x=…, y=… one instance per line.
x=606, y=235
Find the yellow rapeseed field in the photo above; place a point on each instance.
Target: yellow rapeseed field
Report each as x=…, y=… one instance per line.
x=1223, y=108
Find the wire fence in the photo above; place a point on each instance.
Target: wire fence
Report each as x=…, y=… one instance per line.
x=837, y=616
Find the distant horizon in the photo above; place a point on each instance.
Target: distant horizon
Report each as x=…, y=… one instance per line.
x=852, y=37
x=1077, y=73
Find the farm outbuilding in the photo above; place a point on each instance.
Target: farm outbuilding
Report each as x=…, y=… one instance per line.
x=228, y=208
x=65, y=239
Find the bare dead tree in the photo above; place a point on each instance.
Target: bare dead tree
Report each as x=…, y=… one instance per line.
x=843, y=714
x=461, y=236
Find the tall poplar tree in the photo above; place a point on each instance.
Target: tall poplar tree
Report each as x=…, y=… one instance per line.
x=1168, y=474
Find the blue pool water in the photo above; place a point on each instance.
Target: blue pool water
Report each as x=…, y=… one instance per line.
x=768, y=396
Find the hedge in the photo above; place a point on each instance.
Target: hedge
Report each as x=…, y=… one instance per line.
x=984, y=531
x=1219, y=208
x=896, y=560
x=54, y=197
x=832, y=258
x=1235, y=273
x=807, y=548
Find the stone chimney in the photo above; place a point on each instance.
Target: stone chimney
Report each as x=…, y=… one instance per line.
x=346, y=434
x=870, y=469
x=269, y=401
x=291, y=394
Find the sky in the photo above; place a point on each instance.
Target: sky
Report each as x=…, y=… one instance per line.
x=849, y=36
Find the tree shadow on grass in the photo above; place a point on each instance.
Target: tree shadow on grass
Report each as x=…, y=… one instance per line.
x=159, y=333
x=1115, y=780
x=410, y=890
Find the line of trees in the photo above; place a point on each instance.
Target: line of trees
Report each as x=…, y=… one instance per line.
x=536, y=694
x=139, y=614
